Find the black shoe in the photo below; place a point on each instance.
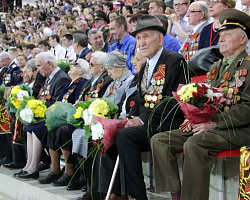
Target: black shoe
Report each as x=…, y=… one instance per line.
x=50, y=178
x=43, y=166
x=4, y=160
x=89, y=196
x=84, y=188
x=63, y=181
x=25, y=175
x=18, y=173
x=14, y=165
x=77, y=185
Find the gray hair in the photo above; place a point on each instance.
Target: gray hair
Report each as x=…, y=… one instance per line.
x=93, y=31
x=84, y=65
x=31, y=64
x=5, y=55
x=100, y=56
x=203, y=7
x=47, y=57
x=81, y=39
x=116, y=59
x=241, y=32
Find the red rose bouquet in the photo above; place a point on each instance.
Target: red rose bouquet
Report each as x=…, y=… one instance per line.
x=198, y=101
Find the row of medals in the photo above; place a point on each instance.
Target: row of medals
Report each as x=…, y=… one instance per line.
x=232, y=89
x=154, y=91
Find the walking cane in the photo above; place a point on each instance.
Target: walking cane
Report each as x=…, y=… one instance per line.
x=112, y=178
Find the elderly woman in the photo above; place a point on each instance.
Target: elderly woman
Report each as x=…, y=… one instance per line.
x=101, y=168
x=30, y=73
x=79, y=74
x=93, y=88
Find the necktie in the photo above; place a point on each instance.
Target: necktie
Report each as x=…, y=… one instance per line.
x=145, y=78
x=46, y=84
x=223, y=68
x=54, y=52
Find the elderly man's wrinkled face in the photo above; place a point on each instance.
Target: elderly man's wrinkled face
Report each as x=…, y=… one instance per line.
x=45, y=68
x=95, y=67
x=195, y=15
x=231, y=42
x=5, y=61
x=149, y=42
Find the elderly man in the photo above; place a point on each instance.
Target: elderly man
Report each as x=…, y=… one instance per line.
x=198, y=18
x=168, y=67
x=11, y=70
x=229, y=129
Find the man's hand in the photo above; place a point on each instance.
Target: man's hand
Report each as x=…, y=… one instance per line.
x=174, y=18
x=133, y=122
x=7, y=92
x=204, y=127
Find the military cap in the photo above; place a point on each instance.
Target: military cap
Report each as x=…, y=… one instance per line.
x=232, y=18
x=99, y=15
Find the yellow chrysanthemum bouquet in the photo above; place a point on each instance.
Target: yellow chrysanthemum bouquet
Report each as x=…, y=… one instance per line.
x=83, y=117
x=31, y=111
x=18, y=95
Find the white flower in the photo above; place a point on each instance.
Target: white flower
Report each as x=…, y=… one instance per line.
x=97, y=131
x=21, y=94
x=87, y=116
x=27, y=114
x=210, y=94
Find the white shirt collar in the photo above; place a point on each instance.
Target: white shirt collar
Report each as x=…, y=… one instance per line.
x=53, y=73
x=198, y=26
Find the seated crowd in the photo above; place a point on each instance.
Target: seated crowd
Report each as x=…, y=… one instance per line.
x=135, y=55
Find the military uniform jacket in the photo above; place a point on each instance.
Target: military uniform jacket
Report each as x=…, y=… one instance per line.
x=10, y=76
x=234, y=122
x=174, y=66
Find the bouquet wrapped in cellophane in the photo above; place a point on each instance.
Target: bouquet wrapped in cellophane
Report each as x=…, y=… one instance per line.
x=57, y=114
x=198, y=101
x=18, y=95
x=31, y=111
x=95, y=116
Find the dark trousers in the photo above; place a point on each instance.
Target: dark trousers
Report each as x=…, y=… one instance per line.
x=197, y=164
x=5, y=145
x=131, y=142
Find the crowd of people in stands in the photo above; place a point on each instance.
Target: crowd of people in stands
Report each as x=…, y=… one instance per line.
x=116, y=50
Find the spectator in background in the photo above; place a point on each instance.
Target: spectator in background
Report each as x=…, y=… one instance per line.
x=80, y=45
x=58, y=51
x=197, y=17
x=156, y=7
x=68, y=45
x=127, y=10
x=96, y=40
x=35, y=51
x=210, y=33
x=125, y=42
x=170, y=43
x=178, y=21
x=83, y=25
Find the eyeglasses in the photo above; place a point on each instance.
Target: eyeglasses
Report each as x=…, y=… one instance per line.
x=214, y=2
x=179, y=4
x=76, y=64
x=193, y=11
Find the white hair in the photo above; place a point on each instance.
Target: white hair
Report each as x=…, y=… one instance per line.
x=47, y=57
x=100, y=56
x=5, y=55
x=84, y=65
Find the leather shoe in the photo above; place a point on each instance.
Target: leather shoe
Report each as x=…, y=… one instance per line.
x=63, y=181
x=25, y=175
x=4, y=160
x=14, y=165
x=84, y=188
x=76, y=185
x=18, y=173
x=43, y=166
x=89, y=196
x=50, y=178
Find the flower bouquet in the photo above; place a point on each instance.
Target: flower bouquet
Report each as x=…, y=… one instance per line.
x=18, y=95
x=198, y=101
x=59, y=111
x=31, y=111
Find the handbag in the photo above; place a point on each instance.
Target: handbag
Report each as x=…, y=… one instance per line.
x=203, y=59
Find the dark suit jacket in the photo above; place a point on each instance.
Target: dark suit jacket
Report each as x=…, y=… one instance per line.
x=57, y=83
x=39, y=82
x=174, y=75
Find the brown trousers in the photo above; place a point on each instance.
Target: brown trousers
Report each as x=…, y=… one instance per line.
x=197, y=164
